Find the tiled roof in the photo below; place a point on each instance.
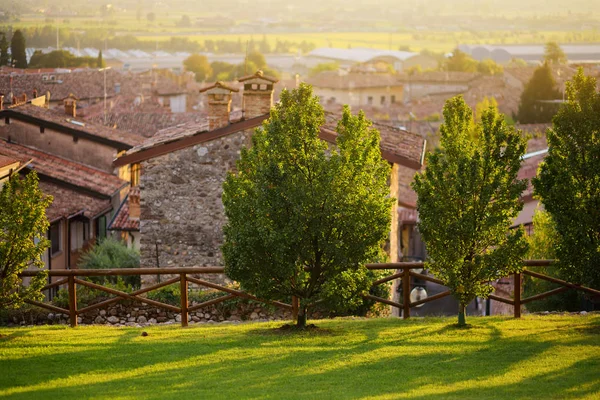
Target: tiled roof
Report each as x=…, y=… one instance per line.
x=121, y=220
x=85, y=83
x=61, y=120
x=352, y=80
x=68, y=202
x=64, y=170
x=440, y=76
x=528, y=170
x=5, y=160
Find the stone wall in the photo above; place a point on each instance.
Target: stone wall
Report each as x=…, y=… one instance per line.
x=138, y=314
x=182, y=214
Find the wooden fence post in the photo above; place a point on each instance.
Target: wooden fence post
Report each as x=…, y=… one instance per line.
x=184, y=299
x=517, y=278
x=72, y=301
x=406, y=293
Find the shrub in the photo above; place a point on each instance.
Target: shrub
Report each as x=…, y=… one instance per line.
x=109, y=254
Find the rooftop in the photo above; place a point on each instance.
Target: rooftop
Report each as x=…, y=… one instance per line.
x=121, y=220
x=68, y=202
x=5, y=160
x=69, y=172
x=352, y=80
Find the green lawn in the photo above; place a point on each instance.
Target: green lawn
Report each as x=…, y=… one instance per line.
x=535, y=357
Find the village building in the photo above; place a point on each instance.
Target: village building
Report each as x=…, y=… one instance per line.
x=181, y=212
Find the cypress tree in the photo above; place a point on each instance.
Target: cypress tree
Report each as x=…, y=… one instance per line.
x=17, y=50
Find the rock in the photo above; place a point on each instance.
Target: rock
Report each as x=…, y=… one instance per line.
x=210, y=322
x=161, y=319
x=152, y=321
x=112, y=319
x=131, y=319
x=142, y=320
x=254, y=316
x=99, y=320
x=235, y=318
x=79, y=320
x=583, y=313
x=195, y=318
x=113, y=311
x=50, y=316
x=545, y=312
x=103, y=312
x=207, y=316
x=178, y=318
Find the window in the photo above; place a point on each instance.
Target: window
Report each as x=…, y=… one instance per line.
x=263, y=86
x=392, y=99
x=382, y=100
x=135, y=174
x=42, y=129
x=80, y=232
x=370, y=100
x=55, y=239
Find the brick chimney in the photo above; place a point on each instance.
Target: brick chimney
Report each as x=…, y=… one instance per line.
x=219, y=104
x=35, y=93
x=134, y=203
x=70, y=103
x=258, y=94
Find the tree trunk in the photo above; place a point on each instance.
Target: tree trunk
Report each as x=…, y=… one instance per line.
x=301, y=321
x=462, y=310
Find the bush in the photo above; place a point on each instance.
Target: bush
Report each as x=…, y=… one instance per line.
x=109, y=254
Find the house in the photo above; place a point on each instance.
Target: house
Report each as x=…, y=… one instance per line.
x=84, y=199
x=357, y=89
x=181, y=212
x=399, y=60
x=436, y=83
x=126, y=221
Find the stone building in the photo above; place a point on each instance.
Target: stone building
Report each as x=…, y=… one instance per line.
x=183, y=169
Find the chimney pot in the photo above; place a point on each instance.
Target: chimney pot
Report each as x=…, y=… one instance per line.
x=258, y=94
x=219, y=104
x=70, y=104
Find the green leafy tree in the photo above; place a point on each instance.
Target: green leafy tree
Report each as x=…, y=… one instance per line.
x=17, y=50
x=257, y=59
x=4, y=57
x=535, y=107
x=467, y=198
x=489, y=67
x=317, y=69
x=111, y=253
x=199, y=65
x=303, y=217
x=568, y=183
x=554, y=54
x=23, y=240
x=460, y=62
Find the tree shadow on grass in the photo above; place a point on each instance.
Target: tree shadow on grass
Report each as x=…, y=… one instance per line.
x=203, y=363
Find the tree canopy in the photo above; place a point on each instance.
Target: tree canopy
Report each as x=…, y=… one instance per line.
x=554, y=54
x=23, y=230
x=304, y=217
x=467, y=198
x=17, y=50
x=568, y=182
x=4, y=57
x=536, y=106
x=199, y=65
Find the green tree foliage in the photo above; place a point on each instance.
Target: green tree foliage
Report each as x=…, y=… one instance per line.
x=17, y=50
x=4, y=57
x=220, y=70
x=467, y=198
x=111, y=253
x=304, y=218
x=23, y=229
x=257, y=59
x=483, y=106
x=317, y=69
x=489, y=67
x=544, y=240
x=199, y=65
x=534, y=108
x=100, y=61
x=554, y=54
x=460, y=62
x=568, y=183
x=60, y=59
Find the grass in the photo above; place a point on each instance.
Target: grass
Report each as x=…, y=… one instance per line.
x=535, y=357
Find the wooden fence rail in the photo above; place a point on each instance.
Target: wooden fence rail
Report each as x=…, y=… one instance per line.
x=403, y=272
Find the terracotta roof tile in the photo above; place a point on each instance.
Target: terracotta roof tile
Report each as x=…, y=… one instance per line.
x=352, y=80
x=121, y=220
x=5, y=160
x=68, y=202
x=64, y=170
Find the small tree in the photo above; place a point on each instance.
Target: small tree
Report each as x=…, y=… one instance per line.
x=535, y=106
x=303, y=218
x=17, y=50
x=23, y=229
x=4, y=57
x=199, y=65
x=460, y=62
x=317, y=69
x=257, y=59
x=100, y=61
x=569, y=181
x=467, y=198
x=554, y=54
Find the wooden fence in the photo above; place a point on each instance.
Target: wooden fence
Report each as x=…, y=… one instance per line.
x=187, y=275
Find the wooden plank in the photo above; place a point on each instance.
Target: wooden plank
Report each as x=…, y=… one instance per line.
x=72, y=302
x=432, y=298
x=397, y=265
x=128, y=296
x=562, y=283
x=130, y=271
x=517, y=295
x=388, y=278
x=237, y=293
x=406, y=294
x=48, y=306
x=501, y=299
x=545, y=294
x=427, y=278
x=211, y=302
x=183, y=285
x=382, y=300
x=135, y=293
x=55, y=284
